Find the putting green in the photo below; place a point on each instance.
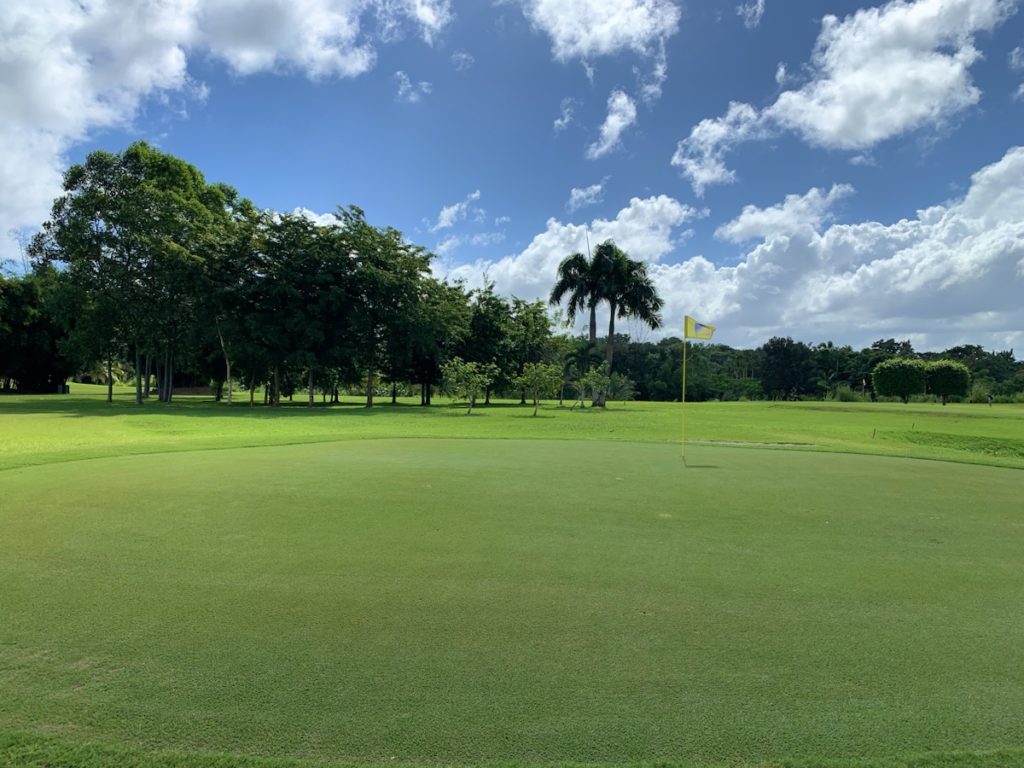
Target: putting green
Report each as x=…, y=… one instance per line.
x=468, y=601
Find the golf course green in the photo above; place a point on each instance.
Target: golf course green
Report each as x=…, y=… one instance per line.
x=815, y=584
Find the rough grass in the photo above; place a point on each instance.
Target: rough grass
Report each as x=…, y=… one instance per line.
x=570, y=594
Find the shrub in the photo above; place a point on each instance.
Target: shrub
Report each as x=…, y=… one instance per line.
x=900, y=377
x=948, y=378
x=844, y=394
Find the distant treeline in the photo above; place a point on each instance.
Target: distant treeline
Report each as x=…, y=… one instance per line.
x=146, y=273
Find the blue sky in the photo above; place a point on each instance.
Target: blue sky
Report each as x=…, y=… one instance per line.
x=796, y=211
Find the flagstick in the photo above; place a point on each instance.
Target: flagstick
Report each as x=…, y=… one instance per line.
x=682, y=405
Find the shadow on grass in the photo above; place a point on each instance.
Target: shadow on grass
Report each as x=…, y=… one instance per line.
x=123, y=405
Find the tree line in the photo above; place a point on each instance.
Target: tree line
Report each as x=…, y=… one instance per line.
x=145, y=272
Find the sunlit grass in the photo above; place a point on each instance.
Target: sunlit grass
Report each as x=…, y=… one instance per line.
x=572, y=592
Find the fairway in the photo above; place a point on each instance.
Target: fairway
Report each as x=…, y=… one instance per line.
x=453, y=601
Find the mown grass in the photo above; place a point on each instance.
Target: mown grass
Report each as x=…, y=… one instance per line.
x=27, y=751
x=571, y=593
x=47, y=429
x=445, y=601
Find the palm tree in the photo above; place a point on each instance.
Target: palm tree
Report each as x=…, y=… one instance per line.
x=577, y=279
x=609, y=276
x=628, y=289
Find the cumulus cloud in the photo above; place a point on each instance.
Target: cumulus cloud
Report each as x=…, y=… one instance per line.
x=701, y=157
x=411, y=92
x=587, y=29
x=584, y=29
x=645, y=229
x=320, y=219
x=70, y=68
x=751, y=13
x=876, y=74
x=581, y=197
x=796, y=214
x=452, y=214
x=950, y=274
x=621, y=115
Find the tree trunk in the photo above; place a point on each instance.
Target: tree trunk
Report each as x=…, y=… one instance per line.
x=110, y=379
x=472, y=402
x=609, y=351
x=593, y=323
x=252, y=393
x=430, y=393
x=276, y=399
x=149, y=375
x=369, y=388
x=138, y=376
x=536, y=402
x=394, y=393
x=170, y=375
x=311, y=392
x=227, y=360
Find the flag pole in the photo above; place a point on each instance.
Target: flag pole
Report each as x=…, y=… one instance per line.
x=682, y=405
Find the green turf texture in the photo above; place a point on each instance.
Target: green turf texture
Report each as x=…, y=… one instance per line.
x=47, y=429
x=506, y=601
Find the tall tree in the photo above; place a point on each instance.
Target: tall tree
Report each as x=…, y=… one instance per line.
x=579, y=282
x=529, y=333
x=487, y=342
x=388, y=274
x=628, y=289
x=132, y=228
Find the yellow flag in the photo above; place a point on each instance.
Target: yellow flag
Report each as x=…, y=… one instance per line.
x=695, y=330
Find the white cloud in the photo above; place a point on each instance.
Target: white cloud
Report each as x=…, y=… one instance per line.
x=583, y=29
x=751, y=13
x=484, y=239
x=448, y=245
x=320, y=219
x=796, y=214
x=581, y=197
x=587, y=29
x=501, y=220
x=879, y=73
x=564, y=120
x=450, y=215
x=462, y=61
x=701, y=156
x=1017, y=59
x=411, y=92
x=621, y=115
x=952, y=274
x=781, y=75
x=650, y=86
x=644, y=229
x=69, y=68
